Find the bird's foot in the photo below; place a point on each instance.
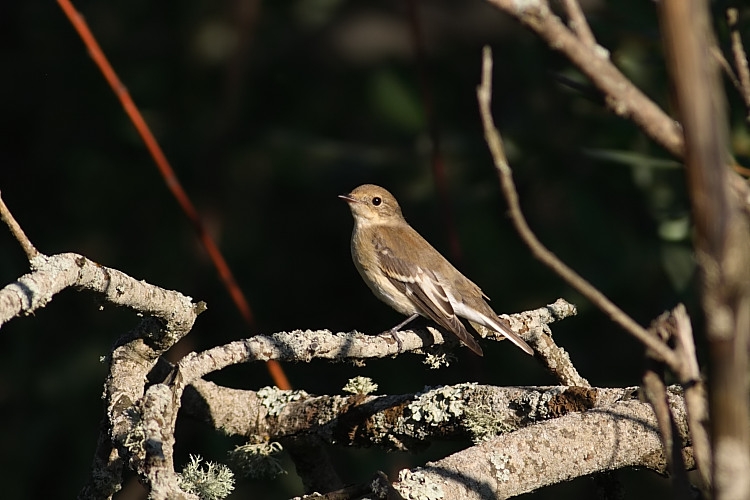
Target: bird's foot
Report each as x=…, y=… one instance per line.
x=393, y=333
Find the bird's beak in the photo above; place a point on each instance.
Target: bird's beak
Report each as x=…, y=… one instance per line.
x=348, y=198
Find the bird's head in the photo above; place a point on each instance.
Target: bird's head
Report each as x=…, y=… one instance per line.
x=373, y=204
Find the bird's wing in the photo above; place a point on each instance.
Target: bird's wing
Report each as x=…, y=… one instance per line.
x=425, y=292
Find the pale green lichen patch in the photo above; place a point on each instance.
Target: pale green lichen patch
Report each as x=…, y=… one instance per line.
x=257, y=460
x=361, y=385
x=436, y=407
x=212, y=482
x=500, y=463
x=275, y=399
x=483, y=423
x=435, y=360
x=440, y=405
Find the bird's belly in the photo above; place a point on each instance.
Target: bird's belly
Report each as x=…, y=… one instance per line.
x=383, y=289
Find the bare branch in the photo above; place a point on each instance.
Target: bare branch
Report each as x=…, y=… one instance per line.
x=577, y=22
x=740, y=57
x=696, y=401
x=621, y=95
x=722, y=237
x=492, y=136
x=727, y=68
x=656, y=392
x=15, y=229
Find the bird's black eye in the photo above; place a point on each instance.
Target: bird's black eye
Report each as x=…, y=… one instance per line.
x=376, y=201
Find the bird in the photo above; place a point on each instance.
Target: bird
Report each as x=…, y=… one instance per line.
x=403, y=270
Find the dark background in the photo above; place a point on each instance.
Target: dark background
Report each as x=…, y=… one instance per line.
x=267, y=111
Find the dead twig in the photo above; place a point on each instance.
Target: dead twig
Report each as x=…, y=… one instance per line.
x=15, y=229
x=577, y=22
x=492, y=136
x=624, y=98
x=740, y=57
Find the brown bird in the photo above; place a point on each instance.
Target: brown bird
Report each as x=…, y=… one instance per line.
x=408, y=274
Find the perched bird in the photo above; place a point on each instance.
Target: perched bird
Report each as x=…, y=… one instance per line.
x=408, y=274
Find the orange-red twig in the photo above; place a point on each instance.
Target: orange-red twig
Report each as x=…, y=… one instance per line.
x=76, y=19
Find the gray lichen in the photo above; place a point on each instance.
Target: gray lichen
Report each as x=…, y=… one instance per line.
x=214, y=482
x=257, y=460
x=536, y=404
x=415, y=485
x=500, y=463
x=275, y=399
x=360, y=385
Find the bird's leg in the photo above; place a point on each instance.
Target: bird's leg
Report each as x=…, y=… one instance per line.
x=392, y=332
x=404, y=323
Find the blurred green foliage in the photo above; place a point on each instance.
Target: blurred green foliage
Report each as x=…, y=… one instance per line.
x=267, y=111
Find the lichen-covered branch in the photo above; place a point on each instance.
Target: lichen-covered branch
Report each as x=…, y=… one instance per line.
x=169, y=316
x=55, y=273
x=303, y=346
x=395, y=422
x=552, y=356
x=623, y=434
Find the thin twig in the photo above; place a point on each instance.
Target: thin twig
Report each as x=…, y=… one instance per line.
x=740, y=57
x=656, y=392
x=535, y=330
x=696, y=402
x=624, y=98
x=726, y=68
x=15, y=229
x=492, y=136
x=577, y=22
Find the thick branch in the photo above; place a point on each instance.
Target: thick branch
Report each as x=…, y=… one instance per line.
x=398, y=422
x=169, y=316
x=722, y=238
x=623, y=434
